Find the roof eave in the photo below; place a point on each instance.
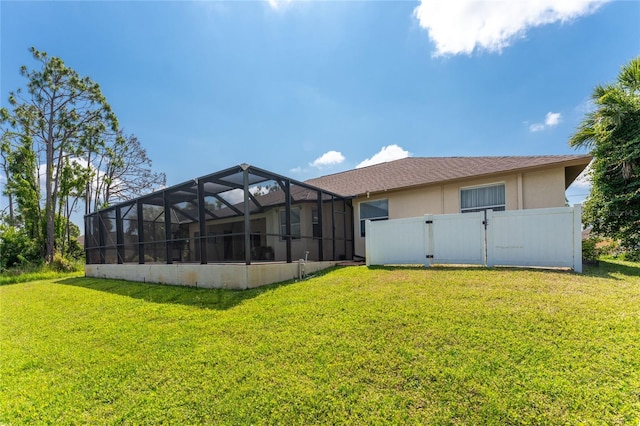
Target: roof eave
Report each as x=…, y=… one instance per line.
x=576, y=162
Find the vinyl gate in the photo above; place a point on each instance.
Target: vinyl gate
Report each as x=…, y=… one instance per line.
x=536, y=237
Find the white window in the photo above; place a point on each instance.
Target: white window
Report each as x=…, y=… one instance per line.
x=373, y=210
x=483, y=198
x=295, y=223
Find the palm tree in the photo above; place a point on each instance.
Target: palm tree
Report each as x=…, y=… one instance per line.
x=616, y=118
x=612, y=134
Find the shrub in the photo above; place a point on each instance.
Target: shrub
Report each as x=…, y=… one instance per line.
x=590, y=253
x=63, y=264
x=16, y=248
x=632, y=256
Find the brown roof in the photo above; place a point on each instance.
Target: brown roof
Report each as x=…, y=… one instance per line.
x=419, y=171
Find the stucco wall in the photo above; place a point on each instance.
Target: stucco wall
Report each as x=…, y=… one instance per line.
x=230, y=276
x=544, y=189
x=536, y=189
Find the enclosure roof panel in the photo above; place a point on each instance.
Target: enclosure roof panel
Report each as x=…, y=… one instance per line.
x=227, y=187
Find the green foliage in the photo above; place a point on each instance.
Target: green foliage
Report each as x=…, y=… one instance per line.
x=17, y=248
x=62, y=128
x=64, y=264
x=52, y=117
x=23, y=184
x=353, y=346
x=590, y=253
x=631, y=256
x=67, y=234
x=612, y=133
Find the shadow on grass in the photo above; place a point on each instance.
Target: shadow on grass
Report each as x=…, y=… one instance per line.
x=471, y=268
x=396, y=267
x=607, y=268
x=206, y=298
x=218, y=299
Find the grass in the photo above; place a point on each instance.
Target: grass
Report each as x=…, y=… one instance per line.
x=14, y=278
x=352, y=346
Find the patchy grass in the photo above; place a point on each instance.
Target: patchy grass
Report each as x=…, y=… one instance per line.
x=356, y=345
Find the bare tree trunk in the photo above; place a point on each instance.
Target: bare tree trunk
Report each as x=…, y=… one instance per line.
x=60, y=205
x=50, y=202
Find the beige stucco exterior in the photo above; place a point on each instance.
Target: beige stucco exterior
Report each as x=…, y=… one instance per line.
x=523, y=190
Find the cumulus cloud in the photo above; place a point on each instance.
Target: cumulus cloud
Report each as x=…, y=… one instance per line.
x=465, y=26
x=330, y=158
x=387, y=153
x=552, y=119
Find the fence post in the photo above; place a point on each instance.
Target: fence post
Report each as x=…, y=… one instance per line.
x=488, y=239
x=429, y=234
x=367, y=242
x=425, y=239
x=577, y=238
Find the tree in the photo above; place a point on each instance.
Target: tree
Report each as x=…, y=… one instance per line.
x=612, y=133
x=59, y=108
x=5, y=151
x=62, y=135
x=23, y=185
x=127, y=173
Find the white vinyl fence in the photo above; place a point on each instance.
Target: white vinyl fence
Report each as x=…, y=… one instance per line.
x=536, y=237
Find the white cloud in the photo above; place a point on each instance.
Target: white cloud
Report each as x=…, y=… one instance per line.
x=552, y=119
x=387, y=153
x=465, y=26
x=330, y=158
x=296, y=170
x=537, y=127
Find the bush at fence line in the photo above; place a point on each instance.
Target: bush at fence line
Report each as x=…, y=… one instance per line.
x=632, y=256
x=608, y=248
x=590, y=251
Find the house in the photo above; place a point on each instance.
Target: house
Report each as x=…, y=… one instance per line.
x=416, y=186
x=245, y=216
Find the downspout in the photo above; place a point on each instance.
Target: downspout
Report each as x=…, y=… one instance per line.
x=247, y=221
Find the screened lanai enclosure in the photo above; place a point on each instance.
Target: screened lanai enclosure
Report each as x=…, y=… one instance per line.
x=239, y=215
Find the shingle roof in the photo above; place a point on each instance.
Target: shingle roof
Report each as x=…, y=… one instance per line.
x=418, y=171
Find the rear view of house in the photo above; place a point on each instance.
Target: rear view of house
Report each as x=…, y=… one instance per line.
x=242, y=226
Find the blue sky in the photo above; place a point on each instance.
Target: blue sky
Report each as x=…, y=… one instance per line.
x=307, y=88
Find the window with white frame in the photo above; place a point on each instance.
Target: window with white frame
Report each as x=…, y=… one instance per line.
x=295, y=223
x=373, y=210
x=483, y=198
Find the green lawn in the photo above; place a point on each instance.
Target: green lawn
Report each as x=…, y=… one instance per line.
x=355, y=345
